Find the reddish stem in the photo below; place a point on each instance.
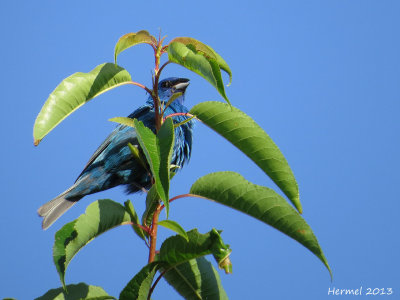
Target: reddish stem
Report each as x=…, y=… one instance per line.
x=155, y=283
x=178, y=197
x=153, y=234
x=163, y=66
x=145, y=229
x=141, y=85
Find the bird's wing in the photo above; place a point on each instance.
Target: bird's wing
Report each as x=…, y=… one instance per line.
x=136, y=114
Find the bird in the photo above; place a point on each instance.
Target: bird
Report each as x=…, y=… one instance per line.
x=113, y=163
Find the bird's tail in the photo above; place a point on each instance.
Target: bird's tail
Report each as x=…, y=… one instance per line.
x=55, y=208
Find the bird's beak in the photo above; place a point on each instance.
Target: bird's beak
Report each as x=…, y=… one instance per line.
x=181, y=85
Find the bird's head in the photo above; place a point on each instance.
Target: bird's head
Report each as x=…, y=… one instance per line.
x=172, y=85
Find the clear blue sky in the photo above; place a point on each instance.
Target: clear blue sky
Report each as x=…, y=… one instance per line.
x=321, y=77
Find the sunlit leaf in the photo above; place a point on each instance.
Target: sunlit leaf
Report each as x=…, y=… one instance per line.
x=260, y=202
x=131, y=39
x=174, y=226
x=205, y=66
x=124, y=121
x=243, y=132
x=206, y=51
x=184, y=122
x=177, y=249
x=99, y=217
x=196, y=279
x=77, y=291
x=75, y=91
x=172, y=99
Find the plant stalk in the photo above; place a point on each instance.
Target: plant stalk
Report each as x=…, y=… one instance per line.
x=155, y=283
x=153, y=234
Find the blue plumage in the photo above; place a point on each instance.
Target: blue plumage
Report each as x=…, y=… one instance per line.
x=113, y=164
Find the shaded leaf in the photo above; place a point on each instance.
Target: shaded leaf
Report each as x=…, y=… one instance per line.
x=152, y=201
x=131, y=39
x=137, y=155
x=134, y=149
x=262, y=203
x=158, y=151
x=135, y=220
x=205, y=66
x=196, y=279
x=73, y=92
x=174, y=226
x=77, y=291
x=243, y=132
x=139, y=286
x=99, y=217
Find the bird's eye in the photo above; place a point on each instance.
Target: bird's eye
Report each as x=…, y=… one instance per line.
x=165, y=84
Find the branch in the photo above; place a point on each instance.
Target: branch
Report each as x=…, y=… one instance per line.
x=155, y=283
x=146, y=229
x=163, y=66
x=182, y=196
x=140, y=85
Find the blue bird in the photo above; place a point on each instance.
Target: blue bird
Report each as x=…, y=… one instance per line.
x=113, y=163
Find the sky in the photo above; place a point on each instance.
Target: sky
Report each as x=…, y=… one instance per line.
x=322, y=78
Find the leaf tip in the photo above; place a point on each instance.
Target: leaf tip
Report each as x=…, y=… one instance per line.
x=230, y=80
x=297, y=204
x=36, y=142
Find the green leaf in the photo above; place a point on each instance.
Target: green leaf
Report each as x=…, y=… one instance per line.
x=176, y=249
x=137, y=155
x=196, y=279
x=224, y=66
x=184, y=121
x=77, y=291
x=124, y=121
x=165, y=138
x=172, y=99
x=134, y=149
x=139, y=286
x=174, y=226
x=207, y=67
x=99, y=217
x=231, y=189
x=243, y=132
x=131, y=39
x=158, y=151
x=152, y=201
x=135, y=220
x=75, y=91
x=207, y=51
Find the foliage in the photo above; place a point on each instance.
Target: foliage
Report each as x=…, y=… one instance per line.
x=180, y=259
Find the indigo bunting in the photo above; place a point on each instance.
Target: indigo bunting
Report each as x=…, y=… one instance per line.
x=113, y=163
